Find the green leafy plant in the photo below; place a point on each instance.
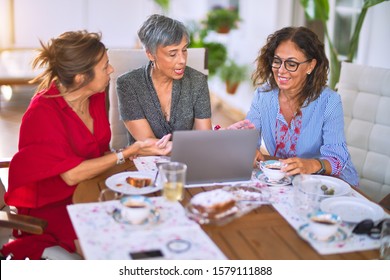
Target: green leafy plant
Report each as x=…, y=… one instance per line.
x=221, y=19
x=216, y=52
x=233, y=74
x=319, y=10
x=164, y=4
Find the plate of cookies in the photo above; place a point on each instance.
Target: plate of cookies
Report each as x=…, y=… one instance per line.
x=133, y=182
x=218, y=206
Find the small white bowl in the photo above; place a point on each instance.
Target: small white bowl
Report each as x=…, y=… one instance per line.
x=324, y=225
x=135, y=209
x=272, y=169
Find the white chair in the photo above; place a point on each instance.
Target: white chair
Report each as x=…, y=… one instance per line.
x=365, y=94
x=124, y=60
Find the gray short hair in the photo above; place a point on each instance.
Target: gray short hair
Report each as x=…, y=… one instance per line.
x=159, y=30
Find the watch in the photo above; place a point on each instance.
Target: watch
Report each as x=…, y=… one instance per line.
x=322, y=169
x=119, y=155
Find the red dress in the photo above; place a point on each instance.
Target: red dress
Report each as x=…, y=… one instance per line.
x=52, y=140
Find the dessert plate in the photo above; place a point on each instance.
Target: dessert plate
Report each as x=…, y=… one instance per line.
x=336, y=185
x=306, y=233
x=352, y=209
x=118, y=183
x=283, y=182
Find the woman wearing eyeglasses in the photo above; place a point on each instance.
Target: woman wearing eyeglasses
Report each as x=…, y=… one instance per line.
x=299, y=118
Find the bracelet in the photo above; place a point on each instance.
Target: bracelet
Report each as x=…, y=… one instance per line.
x=120, y=156
x=322, y=169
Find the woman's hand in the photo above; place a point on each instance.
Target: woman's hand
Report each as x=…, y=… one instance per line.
x=159, y=147
x=297, y=165
x=245, y=124
x=149, y=147
x=259, y=157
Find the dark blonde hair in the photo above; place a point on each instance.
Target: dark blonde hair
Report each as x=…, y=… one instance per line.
x=72, y=53
x=308, y=42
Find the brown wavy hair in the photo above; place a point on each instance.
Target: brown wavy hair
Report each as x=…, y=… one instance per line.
x=72, y=53
x=308, y=42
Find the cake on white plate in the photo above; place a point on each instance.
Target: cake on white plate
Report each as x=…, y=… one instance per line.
x=214, y=204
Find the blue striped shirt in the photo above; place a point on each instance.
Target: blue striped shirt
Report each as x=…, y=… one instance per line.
x=321, y=131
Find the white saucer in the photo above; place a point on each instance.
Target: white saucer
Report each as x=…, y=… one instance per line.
x=152, y=219
x=283, y=182
x=305, y=232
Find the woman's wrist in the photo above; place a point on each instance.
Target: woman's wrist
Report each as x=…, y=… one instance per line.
x=321, y=167
x=132, y=150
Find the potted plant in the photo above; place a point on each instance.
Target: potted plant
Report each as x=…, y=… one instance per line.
x=217, y=52
x=233, y=74
x=319, y=10
x=222, y=20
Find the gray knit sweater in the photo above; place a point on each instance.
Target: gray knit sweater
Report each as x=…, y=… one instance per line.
x=138, y=100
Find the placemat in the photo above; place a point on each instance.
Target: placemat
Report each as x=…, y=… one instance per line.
x=283, y=202
x=174, y=235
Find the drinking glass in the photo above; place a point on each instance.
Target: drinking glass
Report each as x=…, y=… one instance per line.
x=173, y=179
x=385, y=241
x=306, y=195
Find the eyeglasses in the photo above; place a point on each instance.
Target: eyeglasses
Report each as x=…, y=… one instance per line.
x=290, y=65
x=368, y=227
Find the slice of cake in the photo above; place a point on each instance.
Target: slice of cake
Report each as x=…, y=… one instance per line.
x=214, y=204
x=138, y=182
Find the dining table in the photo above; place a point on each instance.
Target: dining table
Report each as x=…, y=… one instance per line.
x=261, y=234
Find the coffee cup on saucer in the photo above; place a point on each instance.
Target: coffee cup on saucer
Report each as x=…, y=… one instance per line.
x=135, y=209
x=324, y=225
x=272, y=170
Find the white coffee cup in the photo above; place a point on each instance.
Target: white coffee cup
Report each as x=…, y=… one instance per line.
x=272, y=169
x=135, y=209
x=324, y=225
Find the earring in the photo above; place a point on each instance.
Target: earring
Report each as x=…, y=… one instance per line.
x=152, y=63
x=308, y=73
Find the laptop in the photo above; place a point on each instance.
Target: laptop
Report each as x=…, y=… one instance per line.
x=215, y=157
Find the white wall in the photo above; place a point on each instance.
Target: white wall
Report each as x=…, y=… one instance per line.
x=374, y=42
x=119, y=21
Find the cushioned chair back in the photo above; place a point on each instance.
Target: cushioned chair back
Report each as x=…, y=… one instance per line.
x=124, y=60
x=365, y=94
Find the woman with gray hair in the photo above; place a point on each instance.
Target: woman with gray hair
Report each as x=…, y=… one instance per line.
x=165, y=95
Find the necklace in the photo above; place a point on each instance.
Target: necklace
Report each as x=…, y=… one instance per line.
x=288, y=101
x=79, y=110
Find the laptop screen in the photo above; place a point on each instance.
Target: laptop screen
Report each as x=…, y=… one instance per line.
x=214, y=157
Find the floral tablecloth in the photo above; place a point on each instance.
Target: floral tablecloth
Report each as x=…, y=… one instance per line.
x=282, y=198
x=176, y=236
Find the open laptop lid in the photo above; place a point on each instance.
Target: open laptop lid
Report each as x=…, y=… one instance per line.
x=215, y=157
